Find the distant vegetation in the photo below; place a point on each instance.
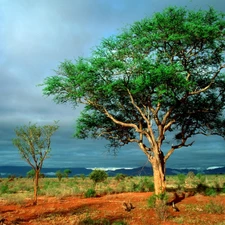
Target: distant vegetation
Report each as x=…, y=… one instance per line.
x=21, y=188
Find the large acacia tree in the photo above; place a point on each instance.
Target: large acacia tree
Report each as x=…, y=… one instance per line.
x=160, y=75
x=34, y=145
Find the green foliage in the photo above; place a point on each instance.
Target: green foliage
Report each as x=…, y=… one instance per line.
x=120, y=177
x=4, y=188
x=152, y=200
x=67, y=172
x=210, y=191
x=201, y=177
x=181, y=177
x=160, y=75
x=98, y=176
x=33, y=142
x=158, y=60
x=145, y=184
x=90, y=193
x=31, y=174
x=59, y=175
x=158, y=202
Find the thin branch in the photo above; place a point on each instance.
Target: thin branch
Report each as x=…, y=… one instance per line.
x=151, y=136
x=182, y=144
x=209, y=85
x=119, y=122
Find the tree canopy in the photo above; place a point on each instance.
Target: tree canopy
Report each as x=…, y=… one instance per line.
x=33, y=143
x=163, y=74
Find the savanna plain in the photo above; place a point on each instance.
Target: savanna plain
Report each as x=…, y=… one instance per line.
x=119, y=200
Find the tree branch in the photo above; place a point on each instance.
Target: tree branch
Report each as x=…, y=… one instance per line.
x=209, y=85
x=151, y=134
x=182, y=144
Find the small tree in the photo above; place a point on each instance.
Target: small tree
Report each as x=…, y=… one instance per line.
x=59, y=175
x=67, y=172
x=159, y=79
x=98, y=176
x=31, y=174
x=33, y=143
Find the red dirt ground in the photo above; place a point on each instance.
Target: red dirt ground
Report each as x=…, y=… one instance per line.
x=74, y=210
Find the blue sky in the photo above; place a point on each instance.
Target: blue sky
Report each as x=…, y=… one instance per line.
x=35, y=37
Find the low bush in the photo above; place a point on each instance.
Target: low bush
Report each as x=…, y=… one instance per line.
x=210, y=191
x=120, y=177
x=90, y=193
x=158, y=203
x=59, y=174
x=98, y=176
x=4, y=188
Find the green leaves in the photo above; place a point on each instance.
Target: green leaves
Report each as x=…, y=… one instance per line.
x=33, y=142
x=163, y=71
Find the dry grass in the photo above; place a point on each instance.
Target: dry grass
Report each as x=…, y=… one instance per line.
x=20, y=189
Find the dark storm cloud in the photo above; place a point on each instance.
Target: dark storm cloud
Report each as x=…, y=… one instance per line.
x=35, y=37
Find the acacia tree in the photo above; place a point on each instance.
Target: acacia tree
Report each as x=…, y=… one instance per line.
x=33, y=143
x=159, y=75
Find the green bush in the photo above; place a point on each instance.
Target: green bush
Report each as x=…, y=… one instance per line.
x=152, y=201
x=98, y=176
x=66, y=172
x=59, y=175
x=146, y=184
x=90, y=193
x=120, y=177
x=210, y=191
x=181, y=177
x=4, y=189
x=201, y=177
x=158, y=202
x=133, y=186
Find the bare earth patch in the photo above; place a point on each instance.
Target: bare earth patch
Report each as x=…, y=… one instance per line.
x=74, y=210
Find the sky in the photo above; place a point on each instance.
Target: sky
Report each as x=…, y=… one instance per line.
x=35, y=36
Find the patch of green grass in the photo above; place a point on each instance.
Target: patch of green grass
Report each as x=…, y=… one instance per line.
x=90, y=193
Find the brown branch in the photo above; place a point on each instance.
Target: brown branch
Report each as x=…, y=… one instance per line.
x=119, y=122
x=182, y=144
x=209, y=85
x=151, y=134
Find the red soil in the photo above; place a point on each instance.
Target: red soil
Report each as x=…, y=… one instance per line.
x=73, y=210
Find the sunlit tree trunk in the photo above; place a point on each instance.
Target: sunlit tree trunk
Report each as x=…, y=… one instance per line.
x=158, y=166
x=37, y=172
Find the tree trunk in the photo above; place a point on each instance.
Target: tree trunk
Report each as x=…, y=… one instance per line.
x=158, y=166
x=37, y=171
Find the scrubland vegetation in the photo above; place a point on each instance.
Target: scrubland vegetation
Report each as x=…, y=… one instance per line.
x=17, y=190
